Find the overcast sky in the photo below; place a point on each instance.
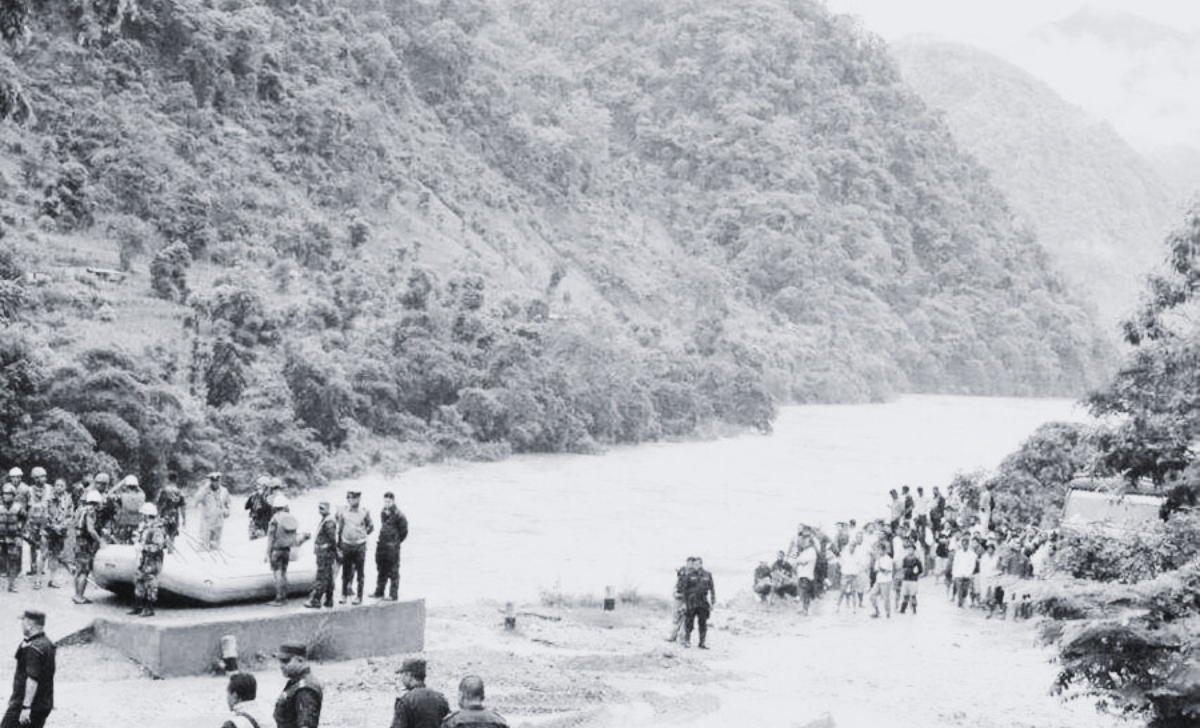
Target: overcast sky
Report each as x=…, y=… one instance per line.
x=1147, y=93
x=989, y=22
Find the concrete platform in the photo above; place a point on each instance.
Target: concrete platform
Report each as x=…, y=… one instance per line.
x=174, y=647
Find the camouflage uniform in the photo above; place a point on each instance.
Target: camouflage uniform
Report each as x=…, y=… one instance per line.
x=171, y=504
x=326, y=549
x=151, y=540
x=12, y=523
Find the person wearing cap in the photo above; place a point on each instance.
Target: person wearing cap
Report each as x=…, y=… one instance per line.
x=87, y=542
x=33, y=684
x=700, y=595
x=470, y=708
x=259, y=505
x=240, y=695
x=213, y=500
x=16, y=479
x=326, y=548
x=354, y=525
x=418, y=706
x=299, y=705
x=127, y=500
x=150, y=542
x=172, y=509
x=12, y=528
x=282, y=537
x=393, y=529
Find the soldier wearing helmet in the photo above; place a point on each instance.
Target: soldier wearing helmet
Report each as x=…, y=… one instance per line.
x=151, y=543
x=127, y=499
x=37, y=508
x=60, y=515
x=12, y=525
x=87, y=542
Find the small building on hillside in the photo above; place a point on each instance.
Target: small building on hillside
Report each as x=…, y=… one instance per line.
x=1096, y=503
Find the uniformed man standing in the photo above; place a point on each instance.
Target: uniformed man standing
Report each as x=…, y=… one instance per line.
x=700, y=595
x=393, y=529
x=326, y=548
x=35, y=504
x=150, y=542
x=172, y=509
x=299, y=705
x=260, y=507
x=33, y=684
x=87, y=542
x=213, y=500
x=418, y=706
x=354, y=525
x=12, y=529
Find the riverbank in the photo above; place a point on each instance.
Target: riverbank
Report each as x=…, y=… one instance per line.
x=588, y=668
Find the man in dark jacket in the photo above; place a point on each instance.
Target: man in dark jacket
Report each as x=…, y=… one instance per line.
x=33, y=684
x=700, y=595
x=471, y=711
x=299, y=705
x=418, y=706
x=393, y=529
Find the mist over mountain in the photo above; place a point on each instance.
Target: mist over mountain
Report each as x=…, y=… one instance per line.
x=1097, y=205
x=478, y=225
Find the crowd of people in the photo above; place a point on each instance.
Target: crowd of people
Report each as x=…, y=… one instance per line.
x=882, y=562
x=59, y=528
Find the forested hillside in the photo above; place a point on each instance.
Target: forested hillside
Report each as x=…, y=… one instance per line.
x=364, y=230
x=1097, y=206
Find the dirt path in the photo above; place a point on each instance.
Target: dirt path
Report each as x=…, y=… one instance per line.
x=585, y=667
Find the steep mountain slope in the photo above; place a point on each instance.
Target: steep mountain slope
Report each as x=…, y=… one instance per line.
x=1096, y=204
x=529, y=225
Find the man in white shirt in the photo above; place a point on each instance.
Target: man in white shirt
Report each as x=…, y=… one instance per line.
x=883, y=581
x=962, y=570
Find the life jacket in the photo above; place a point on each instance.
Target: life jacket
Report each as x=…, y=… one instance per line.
x=286, y=528
x=10, y=521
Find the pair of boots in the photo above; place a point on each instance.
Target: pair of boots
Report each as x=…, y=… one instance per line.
x=142, y=608
x=905, y=602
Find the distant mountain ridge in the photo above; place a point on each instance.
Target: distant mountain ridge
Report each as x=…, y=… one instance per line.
x=1098, y=206
x=526, y=225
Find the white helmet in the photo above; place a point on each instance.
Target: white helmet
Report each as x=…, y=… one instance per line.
x=16, y=471
x=130, y=479
x=148, y=509
x=38, y=472
x=101, y=477
x=93, y=496
x=280, y=501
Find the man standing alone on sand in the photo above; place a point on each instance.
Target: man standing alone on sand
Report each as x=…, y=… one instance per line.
x=697, y=594
x=33, y=684
x=393, y=529
x=418, y=706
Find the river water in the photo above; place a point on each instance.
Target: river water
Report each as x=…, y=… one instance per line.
x=627, y=518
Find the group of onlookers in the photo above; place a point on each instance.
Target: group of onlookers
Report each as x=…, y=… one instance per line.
x=885, y=559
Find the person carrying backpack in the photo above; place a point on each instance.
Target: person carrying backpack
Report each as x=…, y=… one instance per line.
x=282, y=536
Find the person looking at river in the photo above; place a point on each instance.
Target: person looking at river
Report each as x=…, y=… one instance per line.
x=700, y=595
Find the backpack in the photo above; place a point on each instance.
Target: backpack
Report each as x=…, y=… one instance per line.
x=285, y=530
x=244, y=720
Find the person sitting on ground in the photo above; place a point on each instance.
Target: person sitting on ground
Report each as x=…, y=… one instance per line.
x=762, y=581
x=418, y=706
x=783, y=578
x=470, y=708
x=240, y=695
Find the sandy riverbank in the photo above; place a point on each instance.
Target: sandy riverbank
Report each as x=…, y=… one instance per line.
x=588, y=668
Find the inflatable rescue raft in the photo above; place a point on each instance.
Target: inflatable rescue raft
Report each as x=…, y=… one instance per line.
x=210, y=577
